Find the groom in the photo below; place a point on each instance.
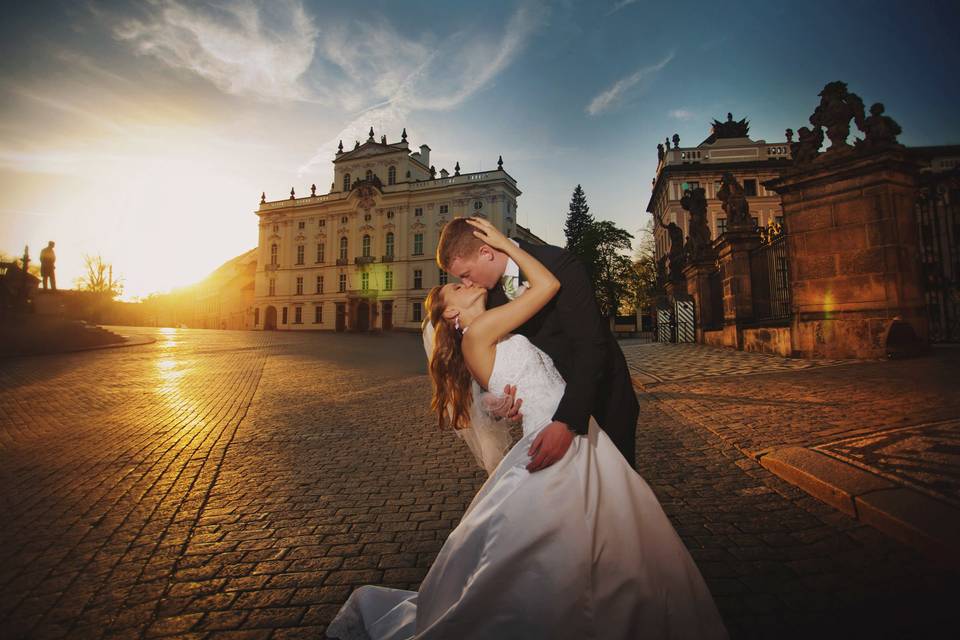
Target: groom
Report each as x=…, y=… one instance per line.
x=569, y=329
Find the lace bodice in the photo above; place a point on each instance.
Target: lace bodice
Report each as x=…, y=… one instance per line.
x=518, y=362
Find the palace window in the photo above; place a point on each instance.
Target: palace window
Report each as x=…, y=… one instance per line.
x=417, y=279
x=388, y=281
x=418, y=212
x=284, y=315
x=319, y=284
x=298, y=315
x=392, y=175
x=299, y=254
x=274, y=254
x=389, y=250
x=417, y=312
x=343, y=282
x=443, y=277
x=478, y=204
x=444, y=208
x=369, y=175
x=779, y=220
x=301, y=225
x=273, y=287
x=318, y=314
x=343, y=220
x=343, y=248
x=320, y=252
x=367, y=217
x=366, y=246
x=365, y=281
x=321, y=223
x=276, y=227
x=299, y=285
x=346, y=182
x=750, y=187
x=418, y=244
x=756, y=222
x=721, y=226
x=389, y=215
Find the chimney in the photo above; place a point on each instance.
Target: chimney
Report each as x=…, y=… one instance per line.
x=425, y=155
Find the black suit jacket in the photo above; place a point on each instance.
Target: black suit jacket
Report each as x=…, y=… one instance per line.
x=572, y=332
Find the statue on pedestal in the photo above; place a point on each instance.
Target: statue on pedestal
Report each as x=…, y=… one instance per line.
x=807, y=147
x=837, y=107
x=734, y=203
x=677, y=262
x=698, y=245
x=881, y=131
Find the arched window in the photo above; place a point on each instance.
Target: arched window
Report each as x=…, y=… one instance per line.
x=274, y=257
x=366, y=246
x=346, y=182
x=392, y=175
x=369, y=174
x=390, y=243
x=343, y=248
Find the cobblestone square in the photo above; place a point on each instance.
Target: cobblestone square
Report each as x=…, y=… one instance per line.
x=235, y=484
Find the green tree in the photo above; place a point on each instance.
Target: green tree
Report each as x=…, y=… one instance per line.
x=644, y=279
x=578, y=224
x=612, y=272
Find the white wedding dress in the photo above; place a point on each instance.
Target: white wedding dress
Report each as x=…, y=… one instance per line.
x=581, y=549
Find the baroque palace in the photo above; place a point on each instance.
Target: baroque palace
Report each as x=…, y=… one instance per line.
x=362, y=257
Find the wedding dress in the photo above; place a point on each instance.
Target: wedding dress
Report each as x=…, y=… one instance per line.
x=581, y=549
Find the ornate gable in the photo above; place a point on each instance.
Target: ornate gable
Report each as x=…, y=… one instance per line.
x=368, y=150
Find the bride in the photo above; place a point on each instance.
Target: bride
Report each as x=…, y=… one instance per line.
x=581, y=549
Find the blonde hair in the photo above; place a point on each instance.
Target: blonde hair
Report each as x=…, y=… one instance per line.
x=452, y=396
x=456, y=241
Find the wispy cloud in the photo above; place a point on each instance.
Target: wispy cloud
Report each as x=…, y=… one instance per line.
x=609, y=98
x=620, y=4
x=681, y=114
x=240, y=47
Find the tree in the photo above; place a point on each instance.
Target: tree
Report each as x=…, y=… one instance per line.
x=644, y=278
x=611, y=271
x=578, y=224
x=99, y=277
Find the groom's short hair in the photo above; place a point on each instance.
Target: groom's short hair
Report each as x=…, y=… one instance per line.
x=456, y=241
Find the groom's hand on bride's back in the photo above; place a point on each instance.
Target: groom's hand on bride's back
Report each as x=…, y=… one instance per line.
x=550, y=445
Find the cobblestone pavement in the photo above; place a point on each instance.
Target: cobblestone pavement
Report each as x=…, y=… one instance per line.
x=233, y=484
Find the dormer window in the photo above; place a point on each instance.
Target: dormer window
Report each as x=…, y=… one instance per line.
x=477, y=205
x=369, y=175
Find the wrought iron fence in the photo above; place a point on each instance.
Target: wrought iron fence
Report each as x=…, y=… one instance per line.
x=938, y=220
x=770, y=277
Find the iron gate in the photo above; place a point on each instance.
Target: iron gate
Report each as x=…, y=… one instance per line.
x=938, y=219
x=684, y=316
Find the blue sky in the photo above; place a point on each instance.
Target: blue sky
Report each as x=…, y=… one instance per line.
x=146, y=131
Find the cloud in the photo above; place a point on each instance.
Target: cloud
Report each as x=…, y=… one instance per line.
x=620, y=4
x=241, y=47
x=609, y=98
x=681, y=114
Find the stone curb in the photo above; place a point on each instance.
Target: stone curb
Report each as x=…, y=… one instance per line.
x=910, y=516
x=128, y=341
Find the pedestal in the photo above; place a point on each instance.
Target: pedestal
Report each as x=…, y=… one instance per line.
x=734, y=248
x=855, y=267
x=697, y=275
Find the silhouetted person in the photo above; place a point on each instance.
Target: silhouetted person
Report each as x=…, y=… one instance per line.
x=47, y=266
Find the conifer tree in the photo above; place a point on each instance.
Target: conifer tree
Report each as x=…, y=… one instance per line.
x=578, y=223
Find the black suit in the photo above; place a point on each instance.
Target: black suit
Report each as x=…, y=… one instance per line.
x=571, y=330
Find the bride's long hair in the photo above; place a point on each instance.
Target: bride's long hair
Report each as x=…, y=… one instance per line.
x=452, y=395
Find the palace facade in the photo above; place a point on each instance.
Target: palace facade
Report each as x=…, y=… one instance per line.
x=728, y=149
x=362, y=257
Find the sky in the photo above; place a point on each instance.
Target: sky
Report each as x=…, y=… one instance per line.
x=146, y=131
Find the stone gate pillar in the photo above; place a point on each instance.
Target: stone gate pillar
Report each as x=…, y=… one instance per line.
x=854, y=258
x=734, y=248
x=697, y=275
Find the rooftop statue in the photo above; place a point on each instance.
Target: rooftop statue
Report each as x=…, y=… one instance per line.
x=731, y=128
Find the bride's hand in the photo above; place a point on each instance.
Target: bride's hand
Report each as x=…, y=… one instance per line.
x=490, y=234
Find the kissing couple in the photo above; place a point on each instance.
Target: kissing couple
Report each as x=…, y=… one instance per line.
x=564, y=539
